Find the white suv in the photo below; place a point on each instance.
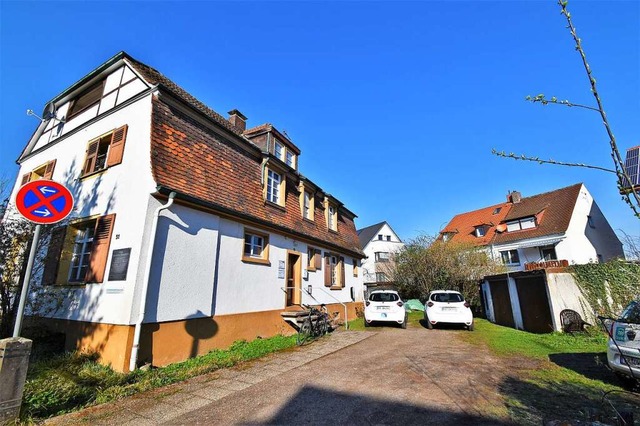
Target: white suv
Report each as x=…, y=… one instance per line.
x=626, y=333
x=449, y=307
x=385, y=305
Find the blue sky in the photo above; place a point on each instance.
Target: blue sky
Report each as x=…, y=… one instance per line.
x=395, y=106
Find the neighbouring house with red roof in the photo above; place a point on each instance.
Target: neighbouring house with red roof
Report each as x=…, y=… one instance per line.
x=189, y=231
x=536, y=237
x=560, y=227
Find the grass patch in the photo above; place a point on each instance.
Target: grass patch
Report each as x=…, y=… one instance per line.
x=414, y=318
x=71, y=381
x=568, y=381
x=505, y=341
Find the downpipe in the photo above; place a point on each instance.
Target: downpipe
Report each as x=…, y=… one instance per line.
x=145, y=283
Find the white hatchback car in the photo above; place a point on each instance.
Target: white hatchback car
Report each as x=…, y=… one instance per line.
x=447, y=306
x=385, y=305
x=626, y=333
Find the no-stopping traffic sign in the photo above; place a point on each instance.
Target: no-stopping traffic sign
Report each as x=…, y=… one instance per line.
x=44, y=201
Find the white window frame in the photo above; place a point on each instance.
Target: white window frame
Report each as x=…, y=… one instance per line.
x=274, y=182
x=290, y=158
x=255, y=246
x=82, y=247
x=522, y=224
x=279, y=150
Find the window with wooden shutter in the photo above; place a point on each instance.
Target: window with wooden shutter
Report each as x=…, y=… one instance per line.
x=327, y=270
x=117, y=146
x=341, y=267
x=48, y=172
x=54, y=252
x=100, y=250
x=318, y=259
x=85, y=100
x=92, y=155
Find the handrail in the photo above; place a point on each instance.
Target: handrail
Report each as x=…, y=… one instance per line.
x=346, y=319
x=346, y=322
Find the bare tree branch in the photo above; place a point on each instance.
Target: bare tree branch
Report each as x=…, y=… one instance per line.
x=549, y=161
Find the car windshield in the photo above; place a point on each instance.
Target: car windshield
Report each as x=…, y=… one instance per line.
x=631, y=314
x=447, y=297
x=384, y=297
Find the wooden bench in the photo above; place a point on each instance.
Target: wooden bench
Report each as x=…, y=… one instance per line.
x=571, y=321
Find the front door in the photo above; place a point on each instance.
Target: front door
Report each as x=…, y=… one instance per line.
x=293, y=279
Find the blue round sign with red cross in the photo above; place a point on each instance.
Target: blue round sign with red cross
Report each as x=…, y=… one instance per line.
x=44, y=201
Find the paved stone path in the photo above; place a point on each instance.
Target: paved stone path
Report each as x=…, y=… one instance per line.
x=169, y=404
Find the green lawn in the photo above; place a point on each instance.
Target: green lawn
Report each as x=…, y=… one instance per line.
x=71, y=381
x=555, y=376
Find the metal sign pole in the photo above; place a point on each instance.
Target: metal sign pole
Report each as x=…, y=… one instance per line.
x=25, y=284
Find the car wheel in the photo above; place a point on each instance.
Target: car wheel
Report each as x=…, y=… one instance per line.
x=404, y=324
x=429, y=325
x=470, y=327
x=366, y=324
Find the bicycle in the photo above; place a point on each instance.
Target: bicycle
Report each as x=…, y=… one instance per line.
x=315, y=324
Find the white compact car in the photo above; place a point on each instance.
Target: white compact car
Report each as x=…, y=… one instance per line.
x=446, y=306
x=385, y=305
x=626, y=332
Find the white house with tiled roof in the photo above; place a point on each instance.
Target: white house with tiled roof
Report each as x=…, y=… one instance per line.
x=189, y=231
x=536, y=238
x=380, y=243
x=556, y=228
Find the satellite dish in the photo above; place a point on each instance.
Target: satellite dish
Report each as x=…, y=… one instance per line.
x=501, y=228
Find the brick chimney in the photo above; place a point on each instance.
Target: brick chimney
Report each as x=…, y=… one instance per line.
x=514, y=197
x=237, y=120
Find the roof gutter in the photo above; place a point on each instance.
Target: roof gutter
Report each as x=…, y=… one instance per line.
x=233, y=213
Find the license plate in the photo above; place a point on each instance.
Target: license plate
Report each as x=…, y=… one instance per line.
x=383, y=308
x=447, y=308
x=633, y=361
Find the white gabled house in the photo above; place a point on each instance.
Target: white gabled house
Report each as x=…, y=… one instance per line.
x=379, y=243
x=238, y=233
x=536, y=238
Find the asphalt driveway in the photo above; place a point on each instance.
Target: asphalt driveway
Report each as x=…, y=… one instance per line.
x=384, y=376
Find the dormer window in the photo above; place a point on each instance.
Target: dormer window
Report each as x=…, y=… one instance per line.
x=290, y=159
x=521, y=224
x=284, y=154
x=331, y=215
x=497, y=210
x=275, y=187
x=481, y=231
x=446, y=236
x=278, y=150
x=307, y=203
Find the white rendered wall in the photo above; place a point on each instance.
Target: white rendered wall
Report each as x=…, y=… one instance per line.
x=182, y=279
x=122, y=189
x=584, y=243
x=564, y=293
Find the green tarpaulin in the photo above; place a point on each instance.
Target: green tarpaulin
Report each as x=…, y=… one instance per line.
x=414, y=305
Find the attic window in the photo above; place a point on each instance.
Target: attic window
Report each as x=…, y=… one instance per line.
x=85, y=100
x=446, y=236
x=481, y=231
x=497, y=210
x=521, y=224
